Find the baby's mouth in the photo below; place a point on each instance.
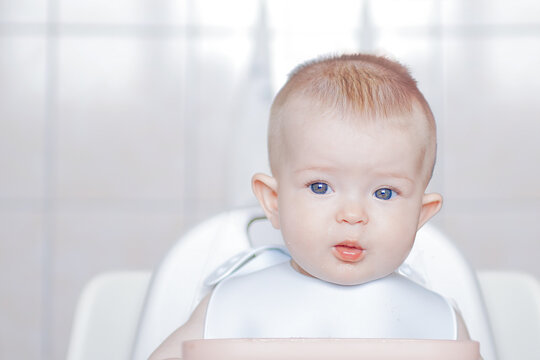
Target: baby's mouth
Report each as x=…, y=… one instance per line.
x=349, y=251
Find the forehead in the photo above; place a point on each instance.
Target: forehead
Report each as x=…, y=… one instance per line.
x=312, y=133
x=301, y=114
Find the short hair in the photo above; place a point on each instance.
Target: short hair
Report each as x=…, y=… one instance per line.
x=371, y=86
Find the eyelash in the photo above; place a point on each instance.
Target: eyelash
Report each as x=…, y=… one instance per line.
x=311, y=183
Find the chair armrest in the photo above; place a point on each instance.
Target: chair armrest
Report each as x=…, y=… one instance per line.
x=513, y=304
x=107, y=316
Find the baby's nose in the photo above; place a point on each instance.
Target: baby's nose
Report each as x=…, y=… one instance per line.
x=352, y=213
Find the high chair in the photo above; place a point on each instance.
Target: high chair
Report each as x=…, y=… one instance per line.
x=126, y=316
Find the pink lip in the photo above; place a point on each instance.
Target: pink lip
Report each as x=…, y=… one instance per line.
x=348, y=251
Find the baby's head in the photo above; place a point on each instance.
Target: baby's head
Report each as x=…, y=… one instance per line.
x=352, y=146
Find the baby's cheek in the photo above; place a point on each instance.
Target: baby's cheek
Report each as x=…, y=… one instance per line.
x=401, y=250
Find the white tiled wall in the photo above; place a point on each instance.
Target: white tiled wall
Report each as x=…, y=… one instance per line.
x=115, y=123
x=22, y=107
x=23, y=11
x=21, y=283
x=122, y=123
x=491, y=147
x=123, y=12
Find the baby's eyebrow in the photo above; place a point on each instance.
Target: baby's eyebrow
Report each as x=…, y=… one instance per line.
x=396, y=176
x=316, y=168
x=329, y=169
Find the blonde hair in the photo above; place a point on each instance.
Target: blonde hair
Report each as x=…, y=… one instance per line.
x=370, y=86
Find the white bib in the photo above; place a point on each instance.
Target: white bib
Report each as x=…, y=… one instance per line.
x=279, y=302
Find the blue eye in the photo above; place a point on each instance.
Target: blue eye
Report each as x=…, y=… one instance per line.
x=320, y=188
x=384, y=194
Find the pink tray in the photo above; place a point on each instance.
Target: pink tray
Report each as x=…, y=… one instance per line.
x=343, y=349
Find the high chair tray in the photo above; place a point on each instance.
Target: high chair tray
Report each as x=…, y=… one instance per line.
x=343, y=349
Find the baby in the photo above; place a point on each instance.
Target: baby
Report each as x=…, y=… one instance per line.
x=352, y=145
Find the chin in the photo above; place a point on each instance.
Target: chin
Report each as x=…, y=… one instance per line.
x=349, y=280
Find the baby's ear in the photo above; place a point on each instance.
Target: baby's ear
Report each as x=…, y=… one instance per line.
x=431, y=204
x=265, y=189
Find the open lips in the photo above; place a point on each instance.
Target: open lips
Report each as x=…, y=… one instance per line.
x=349, y=251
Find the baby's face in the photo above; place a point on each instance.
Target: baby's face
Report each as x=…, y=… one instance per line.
x=349, y=196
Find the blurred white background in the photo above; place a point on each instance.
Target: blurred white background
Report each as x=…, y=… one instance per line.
x=123, y=123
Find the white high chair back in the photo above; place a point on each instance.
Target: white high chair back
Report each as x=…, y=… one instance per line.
x=177, y=285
